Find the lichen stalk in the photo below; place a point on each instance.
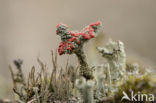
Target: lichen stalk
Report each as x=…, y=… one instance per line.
x=72, y=43
x=86, y=89
x=85, y=71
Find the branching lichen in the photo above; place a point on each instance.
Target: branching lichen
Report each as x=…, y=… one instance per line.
x=72, y=42
x=115, y=55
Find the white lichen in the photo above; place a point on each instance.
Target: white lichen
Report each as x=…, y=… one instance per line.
x=100, y=76
x=114, y=53
x=86, y=89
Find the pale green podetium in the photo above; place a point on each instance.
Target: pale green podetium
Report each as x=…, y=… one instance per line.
x=114, y=53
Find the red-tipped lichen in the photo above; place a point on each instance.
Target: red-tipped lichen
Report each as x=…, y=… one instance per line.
x=72, y=40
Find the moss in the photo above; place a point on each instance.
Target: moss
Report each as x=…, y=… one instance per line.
x=145, y=84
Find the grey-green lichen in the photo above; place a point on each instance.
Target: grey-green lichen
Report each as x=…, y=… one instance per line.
x=102, y=83
x=86, y=88
x=72, y=43
x=115, y=55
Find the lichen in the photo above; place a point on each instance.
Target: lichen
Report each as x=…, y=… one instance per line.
x=115, y=55
x=102, y=83
x=72, y=43
x=86, y=89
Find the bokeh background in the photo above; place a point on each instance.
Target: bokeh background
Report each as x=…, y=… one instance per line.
x=27, y=28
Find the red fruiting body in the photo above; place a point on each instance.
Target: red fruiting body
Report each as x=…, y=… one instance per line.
x=74, y=34
x=58, y=25
x=96, y=23
x=79, y=42
x=60, y=49
x=56, y=32
x=67, y=45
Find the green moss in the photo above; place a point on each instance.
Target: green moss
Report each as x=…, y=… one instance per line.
x=144, y=84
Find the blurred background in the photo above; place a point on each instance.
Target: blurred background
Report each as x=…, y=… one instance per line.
x=27, y=28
